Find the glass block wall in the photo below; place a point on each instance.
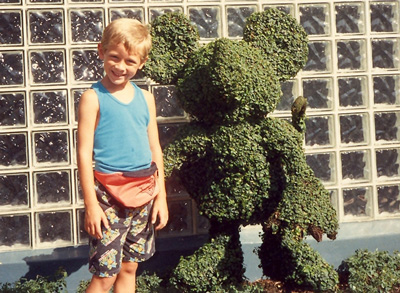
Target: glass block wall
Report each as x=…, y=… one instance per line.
x=48, y=57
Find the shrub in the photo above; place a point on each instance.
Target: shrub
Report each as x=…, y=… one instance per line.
x=372, y=271
x=210, y=269
x=148, y=283
x=53, y=284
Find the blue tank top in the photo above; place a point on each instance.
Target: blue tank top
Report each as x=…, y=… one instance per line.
x=121, y=142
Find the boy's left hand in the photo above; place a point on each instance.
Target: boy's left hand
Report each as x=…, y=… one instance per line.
x=160, y=212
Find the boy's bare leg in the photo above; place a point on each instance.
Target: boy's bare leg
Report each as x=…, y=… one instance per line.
x=126, y=279
x=100, y=285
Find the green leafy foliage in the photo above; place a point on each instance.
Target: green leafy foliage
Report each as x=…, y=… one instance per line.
x=53, y=284
x=211, y=268
x=239, y=165
x=174, y=39
x=282, y=39
x=367, y=271
x=241, y=87
x=148, y=283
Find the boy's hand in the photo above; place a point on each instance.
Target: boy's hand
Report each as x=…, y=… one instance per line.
x=94, y=218
x=160, y=212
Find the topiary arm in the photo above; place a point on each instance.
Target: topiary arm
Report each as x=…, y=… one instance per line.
x=304, y=202
x=189, y=145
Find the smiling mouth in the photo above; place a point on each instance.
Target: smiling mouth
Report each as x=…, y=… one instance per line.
x=118, y=74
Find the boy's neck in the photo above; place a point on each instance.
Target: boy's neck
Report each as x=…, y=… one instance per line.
x=123, y=92
x=113, y=88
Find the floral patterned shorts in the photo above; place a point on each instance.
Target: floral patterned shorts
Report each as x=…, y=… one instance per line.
x=130, y=237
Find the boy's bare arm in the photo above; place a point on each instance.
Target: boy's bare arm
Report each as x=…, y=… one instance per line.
x=88, y=114
x=160, y=208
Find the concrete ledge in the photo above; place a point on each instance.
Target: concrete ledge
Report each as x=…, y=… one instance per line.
x=381, y=235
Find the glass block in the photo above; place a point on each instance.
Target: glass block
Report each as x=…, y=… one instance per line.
x=323, y=166
x=349, y=18
x=387, y=89
x=121, y=1
x=351, y=55
x=167, y=133
x=46, y=26
x=387, y=163
x=53, y=187
x=202, y=224
x=319, y=131
x=83, y=236
x=384, y=17
x=86, y=65
x=14, y=231
x=86, y=25
x=288, y=9
x=175, y=187
x=386, y=126
x=318, y=93
x=180, y=218
x=13, y=150
x=47, y=67
x=315, y=18
x=353, y=128
x=78, y=191
x=11, y=28
x=46, y=1
x=54, y=227
x=10, y=1
x=14, y=190
x=207, y=20
x=352, y=91
x=389, y=199
x=11, y=68
x=357, y=202
x=167, y=104
x=289, y=92
x=385, y=53
x=335, y=200
x=76, y=95
x=51, y=147
x=50, y=107
x=155, y=12
x=237, y=16
x=12, y=109
x=355, y=165
x=86, y=1
x=319, y=56
x=133, y=13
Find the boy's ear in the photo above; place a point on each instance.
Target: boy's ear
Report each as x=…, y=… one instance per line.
x=143, y=62
x=100, y=50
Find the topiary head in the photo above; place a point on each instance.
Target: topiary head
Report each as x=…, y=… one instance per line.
x=228, y=81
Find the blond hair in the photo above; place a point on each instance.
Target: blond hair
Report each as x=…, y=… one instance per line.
x=134, y=35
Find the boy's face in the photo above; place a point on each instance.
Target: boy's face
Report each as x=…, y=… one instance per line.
x=120, y=65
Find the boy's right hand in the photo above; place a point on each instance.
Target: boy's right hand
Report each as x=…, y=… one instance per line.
x=94, y=218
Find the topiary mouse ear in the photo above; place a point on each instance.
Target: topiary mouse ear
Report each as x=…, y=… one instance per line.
x=281, y=37
x=174, y=39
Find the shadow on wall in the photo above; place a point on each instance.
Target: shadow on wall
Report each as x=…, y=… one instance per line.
x=71, y=259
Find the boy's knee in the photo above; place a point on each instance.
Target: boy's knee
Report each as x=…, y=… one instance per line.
x=129, y=268
x=99, y=284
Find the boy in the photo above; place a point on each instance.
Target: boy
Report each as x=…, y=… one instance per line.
x=117, y=127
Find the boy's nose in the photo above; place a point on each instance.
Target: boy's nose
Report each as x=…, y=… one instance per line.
x=120, y=66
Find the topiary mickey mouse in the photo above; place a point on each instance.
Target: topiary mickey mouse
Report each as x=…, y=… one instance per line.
x=240, y=165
